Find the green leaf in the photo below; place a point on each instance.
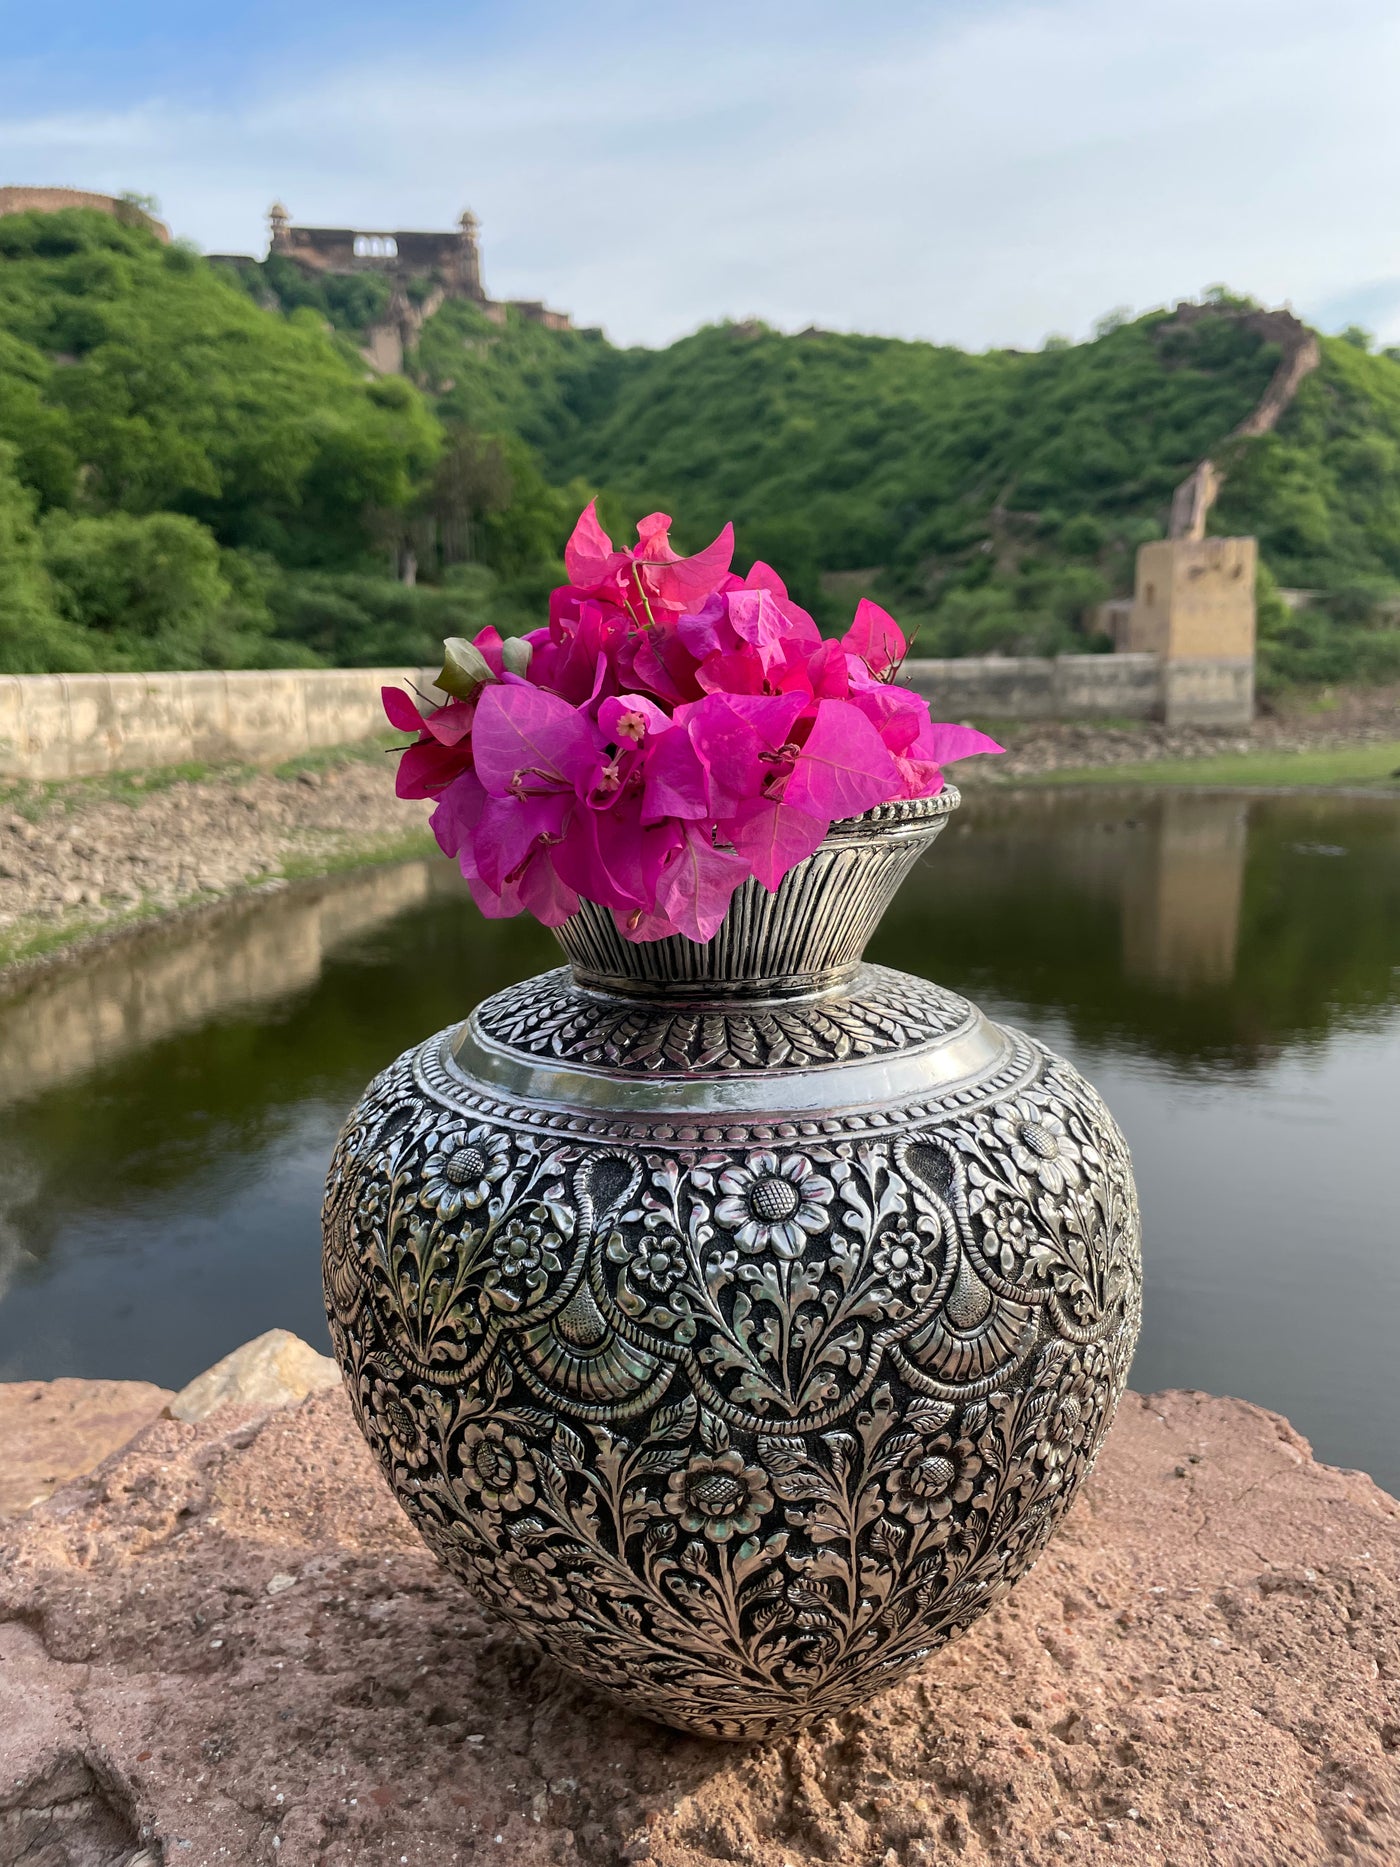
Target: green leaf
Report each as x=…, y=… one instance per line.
x=465, y=670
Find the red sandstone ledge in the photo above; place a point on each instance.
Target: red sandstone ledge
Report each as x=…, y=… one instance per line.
x=226, y=1646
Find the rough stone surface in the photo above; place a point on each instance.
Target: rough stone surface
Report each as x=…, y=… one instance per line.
x=50, y=1431
x=226, y=1646
x=270, y=1371
x=86, y=856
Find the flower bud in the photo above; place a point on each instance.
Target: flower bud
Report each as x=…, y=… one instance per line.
x=516, y=653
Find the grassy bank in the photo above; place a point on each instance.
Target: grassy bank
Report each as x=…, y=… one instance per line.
x=1372, y=767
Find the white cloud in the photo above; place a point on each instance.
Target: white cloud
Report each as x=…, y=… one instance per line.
x=974, y=176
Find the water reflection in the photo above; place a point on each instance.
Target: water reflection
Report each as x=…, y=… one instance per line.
x=1227, y=970
x=1211, y=930
x=175, y=978
x=1181, y=915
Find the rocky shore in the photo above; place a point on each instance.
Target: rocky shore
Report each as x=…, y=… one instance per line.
x=224, y=1645
x=82, y=858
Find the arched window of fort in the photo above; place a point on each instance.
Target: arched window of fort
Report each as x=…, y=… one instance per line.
x=391, y=247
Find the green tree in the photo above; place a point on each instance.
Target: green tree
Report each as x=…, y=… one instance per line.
x=34, y=638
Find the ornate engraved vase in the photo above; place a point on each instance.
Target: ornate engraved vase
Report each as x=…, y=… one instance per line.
x=738, y=1319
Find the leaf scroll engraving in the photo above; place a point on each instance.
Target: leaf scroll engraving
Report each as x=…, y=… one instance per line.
x=739, y=1430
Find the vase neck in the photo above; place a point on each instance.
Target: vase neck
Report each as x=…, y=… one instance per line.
x=806, y=939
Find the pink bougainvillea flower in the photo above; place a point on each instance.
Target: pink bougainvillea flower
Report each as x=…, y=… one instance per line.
x=403, y=714
x=737, y=737
x=698, y=883
x=874, y=637
x=800, y=625
x=897, y=715
x=774, y=837
x=945, y=744
x=510, y=831
x=652, y=575
x=675, y=582
x=844, y=766
x=455, y=819
x=673, y=731
x=827, y=673
x=625, y=719
x=527, y=742
x=589, y=557
x=677, y=778
x=441, y=751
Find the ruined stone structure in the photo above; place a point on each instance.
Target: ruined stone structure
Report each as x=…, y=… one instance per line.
x=1193, y=611
x=1194, y=596
x=448, y=264
x=1193, y=603
x=55, y=200
x=451, y=259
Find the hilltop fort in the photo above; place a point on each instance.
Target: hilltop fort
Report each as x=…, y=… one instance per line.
x=424, y=268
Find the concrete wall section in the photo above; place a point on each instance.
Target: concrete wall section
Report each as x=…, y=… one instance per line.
x=1120, y=687
x=1204, y=690
x=84, y=725
x=1034, y=687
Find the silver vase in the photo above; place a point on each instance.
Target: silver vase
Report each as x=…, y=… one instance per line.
x=738, y=1319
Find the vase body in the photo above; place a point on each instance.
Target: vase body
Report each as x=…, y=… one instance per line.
x=738, y=1320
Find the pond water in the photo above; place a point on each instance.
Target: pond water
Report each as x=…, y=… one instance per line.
x=1226, y=969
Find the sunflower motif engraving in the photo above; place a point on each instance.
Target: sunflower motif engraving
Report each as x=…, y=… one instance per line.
x=532, y=1581
x=933, y=1476
x=1038, y=1144
x=496, y=1467
x=773, y=1204
x=460, y=1176
x=718, y=1496
x=392, y=1420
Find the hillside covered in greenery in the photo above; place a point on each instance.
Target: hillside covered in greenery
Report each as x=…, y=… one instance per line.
x=197, y=468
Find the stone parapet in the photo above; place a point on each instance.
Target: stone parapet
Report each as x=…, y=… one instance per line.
x=55, y=726
x=87, y=725
x=1040, y=687
x=1208, y=690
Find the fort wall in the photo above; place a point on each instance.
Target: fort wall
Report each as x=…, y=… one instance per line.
x=55, y=200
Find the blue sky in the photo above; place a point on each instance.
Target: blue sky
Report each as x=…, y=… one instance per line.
x=971, y=173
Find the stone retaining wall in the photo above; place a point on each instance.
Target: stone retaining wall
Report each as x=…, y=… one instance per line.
x=85, y=725
x=1189, y=691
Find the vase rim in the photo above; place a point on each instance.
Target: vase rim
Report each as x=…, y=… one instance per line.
x=940, y=803
x=805, y=936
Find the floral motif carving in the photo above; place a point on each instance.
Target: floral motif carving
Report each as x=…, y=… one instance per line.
x=739, y=1429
